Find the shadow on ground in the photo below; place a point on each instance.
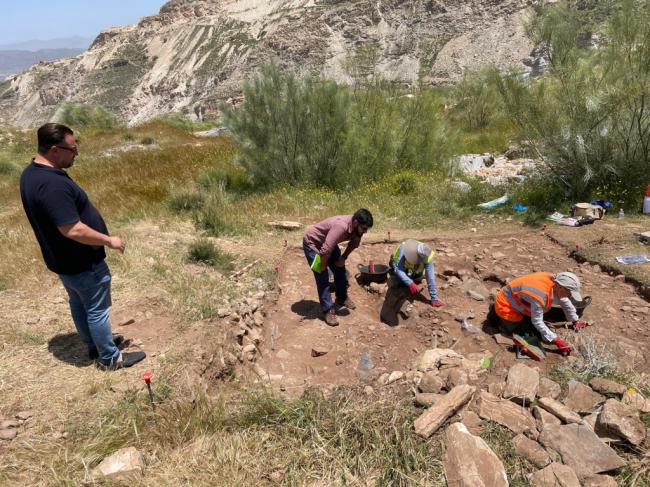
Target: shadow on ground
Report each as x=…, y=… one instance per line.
x=69, y=348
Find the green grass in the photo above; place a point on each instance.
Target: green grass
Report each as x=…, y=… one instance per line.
x=204, y=252
x=498, y=439
x=244, y=438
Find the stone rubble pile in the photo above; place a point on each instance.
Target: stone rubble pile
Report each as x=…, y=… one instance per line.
x=568, y=441
x=496, y=170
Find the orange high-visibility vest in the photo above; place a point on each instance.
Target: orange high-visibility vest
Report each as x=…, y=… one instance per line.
x=538, y=286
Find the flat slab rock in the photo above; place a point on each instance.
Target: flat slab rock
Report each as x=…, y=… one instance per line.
x=580, y=449
x=522, y=384
x=581, y=398
x=622, y=421
x=560, y=410
x=506, y=413
x=430, y=421
x=555, y=475
x=531, y=451
x=481, y=468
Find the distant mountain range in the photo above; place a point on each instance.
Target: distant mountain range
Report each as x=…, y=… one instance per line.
x=76, y=42
x=15, y=61
x=20, y=56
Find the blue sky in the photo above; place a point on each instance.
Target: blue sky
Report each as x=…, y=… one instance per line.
x=23, y=20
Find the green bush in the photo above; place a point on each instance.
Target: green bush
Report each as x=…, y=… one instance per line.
x=128, y=137
x=203, y=251
x=229, y=179
x=186, y=202
x=588, y=115
x=78, y=115
x=308, y=130
x=211, y=219
x=147, y=140
x=476, y=98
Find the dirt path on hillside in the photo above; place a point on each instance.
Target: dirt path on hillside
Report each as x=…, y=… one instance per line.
x=294, y=327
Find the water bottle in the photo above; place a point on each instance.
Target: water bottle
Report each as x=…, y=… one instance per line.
x=621, y=213
x=365, y=369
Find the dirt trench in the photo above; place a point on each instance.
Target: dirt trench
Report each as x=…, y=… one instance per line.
x=293, y=326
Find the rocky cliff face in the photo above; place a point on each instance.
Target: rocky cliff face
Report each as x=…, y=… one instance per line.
x=195, y=53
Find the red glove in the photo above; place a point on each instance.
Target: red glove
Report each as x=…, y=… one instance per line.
x=436, y=303
x=563, y=347
x=579, y=325
x=413, y=288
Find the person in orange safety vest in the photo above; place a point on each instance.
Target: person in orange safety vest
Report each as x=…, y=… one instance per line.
x=525, y=300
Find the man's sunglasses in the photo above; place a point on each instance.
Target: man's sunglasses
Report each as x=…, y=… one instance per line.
x=74, y=150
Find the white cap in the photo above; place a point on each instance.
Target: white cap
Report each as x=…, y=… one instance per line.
x=568, y=280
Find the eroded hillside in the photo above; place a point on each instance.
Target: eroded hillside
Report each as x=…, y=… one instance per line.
x=196, y=53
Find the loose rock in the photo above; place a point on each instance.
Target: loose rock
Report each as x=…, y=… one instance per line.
x=606, y=386
x=24, y=415
x=548, y=388
x=633, y=399
x=8, y=433
x=395, y=376
x=123, y=461
x=600, y=481
x=506, y=413
x=430, y=383
x=618, y=419
x=430, y=359
x=580, y=449
x=429, y=422
x=522, y=384
x=426, y=399
x=581, y=398
x=531, y=451
x=318, y=351
x=543, y=418
x=560, y=410
x=481, y=468
x=555, y=475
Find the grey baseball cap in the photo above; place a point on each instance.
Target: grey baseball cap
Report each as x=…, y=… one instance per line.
x=568, y=280
x=415, y=251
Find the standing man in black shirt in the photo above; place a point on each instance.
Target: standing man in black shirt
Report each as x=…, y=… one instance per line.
x=72, y=236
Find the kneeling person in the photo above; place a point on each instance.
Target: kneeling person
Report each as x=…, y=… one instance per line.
x=520, y=306
x=409, y=264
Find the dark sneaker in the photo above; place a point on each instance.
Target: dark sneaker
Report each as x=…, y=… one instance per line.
x=345, y=303
x=330, y=318
x=94, y=354
x=128, y=359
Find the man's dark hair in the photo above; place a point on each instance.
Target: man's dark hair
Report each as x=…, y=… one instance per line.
x=364, y=217
x=51, y=134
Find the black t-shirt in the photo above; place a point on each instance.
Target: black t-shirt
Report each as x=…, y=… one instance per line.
x=51, y=199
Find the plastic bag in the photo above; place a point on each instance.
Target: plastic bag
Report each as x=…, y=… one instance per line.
x=468, y=327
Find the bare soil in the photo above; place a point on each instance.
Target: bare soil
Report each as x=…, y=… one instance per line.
x=294, y=326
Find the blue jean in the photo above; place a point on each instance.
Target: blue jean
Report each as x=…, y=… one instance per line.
x=90, y=305
x=323, y=278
